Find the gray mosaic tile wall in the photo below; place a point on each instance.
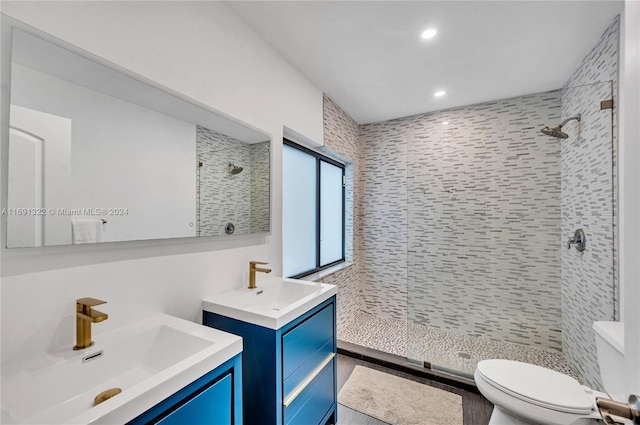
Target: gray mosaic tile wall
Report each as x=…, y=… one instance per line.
x=384, y=218
x=467, y=217
x=225, y=198
x=341, y=139
x=499, y=246
x=484, y=220
x=589, y=202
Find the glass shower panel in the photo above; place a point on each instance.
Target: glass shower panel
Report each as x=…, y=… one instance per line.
x=588, y=199
x=489, y=200
x=447, y=236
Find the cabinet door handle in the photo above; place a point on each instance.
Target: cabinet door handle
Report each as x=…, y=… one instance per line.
x=308, y=380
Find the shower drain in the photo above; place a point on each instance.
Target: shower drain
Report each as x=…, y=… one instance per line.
x=464, y=355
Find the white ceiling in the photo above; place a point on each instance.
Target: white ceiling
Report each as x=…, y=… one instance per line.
x=369, y=58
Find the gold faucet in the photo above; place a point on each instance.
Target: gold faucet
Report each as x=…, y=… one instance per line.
x=85, y=316
x=252, y=272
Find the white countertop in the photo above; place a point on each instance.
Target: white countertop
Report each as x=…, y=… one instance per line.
x=274, y=303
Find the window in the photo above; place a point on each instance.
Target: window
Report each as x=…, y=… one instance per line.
x=313, y=211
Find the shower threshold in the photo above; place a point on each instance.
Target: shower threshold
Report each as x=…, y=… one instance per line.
x=439, y=351
x=402, y=364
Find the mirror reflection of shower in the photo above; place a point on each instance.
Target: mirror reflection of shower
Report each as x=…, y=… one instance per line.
x=234, y=169
x=557, y=131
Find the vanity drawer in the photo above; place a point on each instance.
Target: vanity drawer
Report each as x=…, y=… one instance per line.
x=313, y=403
x=306, y=369
x=301, y=344
x=214, y=398
x=213, y=405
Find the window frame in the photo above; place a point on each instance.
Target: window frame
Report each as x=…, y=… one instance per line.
x=322, y=158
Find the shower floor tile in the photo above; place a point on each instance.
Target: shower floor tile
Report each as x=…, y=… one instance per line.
x=446, y=350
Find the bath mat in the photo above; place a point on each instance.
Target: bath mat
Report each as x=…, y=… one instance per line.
x=399, y=401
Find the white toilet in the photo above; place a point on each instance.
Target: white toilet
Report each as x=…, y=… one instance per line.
x=525, y=394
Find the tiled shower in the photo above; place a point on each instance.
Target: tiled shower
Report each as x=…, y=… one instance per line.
x=239, y=199
x=460, y=224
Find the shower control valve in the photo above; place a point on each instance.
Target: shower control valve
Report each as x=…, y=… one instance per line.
x=579, y=240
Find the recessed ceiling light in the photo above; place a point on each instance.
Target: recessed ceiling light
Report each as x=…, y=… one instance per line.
x=440, y=93
x=445, y=122
x=429, y=33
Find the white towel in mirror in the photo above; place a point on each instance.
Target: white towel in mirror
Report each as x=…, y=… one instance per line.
x=86, y=230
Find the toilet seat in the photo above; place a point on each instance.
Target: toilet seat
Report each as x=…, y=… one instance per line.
x=537, y=385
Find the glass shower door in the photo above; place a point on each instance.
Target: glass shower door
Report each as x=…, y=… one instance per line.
x=447, y=243
x=589, y=286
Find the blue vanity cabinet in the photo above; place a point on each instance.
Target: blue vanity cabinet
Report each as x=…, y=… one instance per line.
x=289, y=374
x=215, y=398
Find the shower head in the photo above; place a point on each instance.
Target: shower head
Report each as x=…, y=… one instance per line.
x=557, y=131
x=234, y=169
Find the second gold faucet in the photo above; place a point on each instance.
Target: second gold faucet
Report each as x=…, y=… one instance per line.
x=85, y=316
x=252, y=272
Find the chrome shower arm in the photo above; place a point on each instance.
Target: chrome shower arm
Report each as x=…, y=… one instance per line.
x=577, y=118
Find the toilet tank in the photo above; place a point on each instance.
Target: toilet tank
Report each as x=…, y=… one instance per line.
x=610, y=347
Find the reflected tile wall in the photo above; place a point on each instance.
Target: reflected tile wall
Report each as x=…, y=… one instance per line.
x=259, y=158
x=222, y=197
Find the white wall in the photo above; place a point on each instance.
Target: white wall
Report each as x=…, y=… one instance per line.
x=202, y=50
x=630, y=190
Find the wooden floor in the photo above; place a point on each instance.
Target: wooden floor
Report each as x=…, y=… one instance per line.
x=476, y=410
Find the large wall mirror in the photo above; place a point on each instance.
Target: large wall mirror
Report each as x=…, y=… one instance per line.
x=95, y=155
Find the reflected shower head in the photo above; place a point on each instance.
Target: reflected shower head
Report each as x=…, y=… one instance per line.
x=234, y=169
x=557, y=131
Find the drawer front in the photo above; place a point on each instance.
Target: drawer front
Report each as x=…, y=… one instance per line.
x=308, y=367
x=212, y=406
x=301, y=343
x=312, y=404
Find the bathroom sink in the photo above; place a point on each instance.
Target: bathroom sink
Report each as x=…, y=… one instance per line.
x=148, y=360
x=274, y=303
